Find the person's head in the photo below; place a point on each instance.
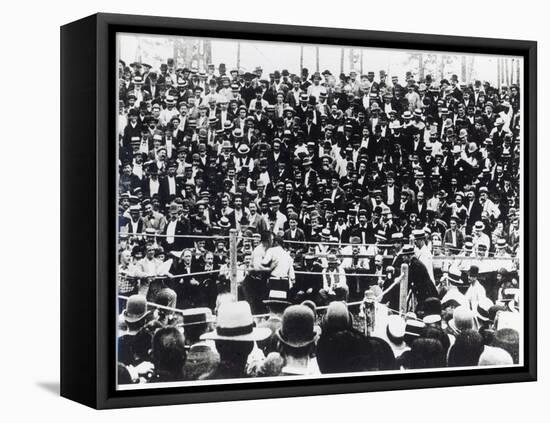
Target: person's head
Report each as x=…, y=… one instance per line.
x=466, y=350
x=143, y=340
x=473, y=273
x=463, y=318
x=426, y=353
x=407, y=253
x=168, y=351
x=508, y=340
x=297, y=335
x=150, y=252
x=495, y=357
x=437, y=333
x=338, y=352
x=208, y=258
x=125, y=257
x=238, y=202
x=187, y=256
x=293, y=221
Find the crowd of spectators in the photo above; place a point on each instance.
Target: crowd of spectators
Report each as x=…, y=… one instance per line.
x=328, y=184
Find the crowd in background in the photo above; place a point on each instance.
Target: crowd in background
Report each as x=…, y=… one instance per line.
x=330, y=184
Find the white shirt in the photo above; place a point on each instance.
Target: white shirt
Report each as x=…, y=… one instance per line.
x=134, y=226
x=149, y=267
x=391, y=195
x=424, y=255
x=153, y=186
x=334, y=278
x=281, y=263
x=171, y=231
x=171, y=185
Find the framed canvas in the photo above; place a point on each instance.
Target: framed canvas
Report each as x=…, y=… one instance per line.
x=255, y=211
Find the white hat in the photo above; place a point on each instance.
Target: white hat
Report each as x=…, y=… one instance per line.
x=235, y=323
x=493, y=356
x=396, y=326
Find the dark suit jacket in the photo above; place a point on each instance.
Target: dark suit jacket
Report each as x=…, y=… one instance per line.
x=475, y=213
x=419, y=281
x=182, y=228
x=298, y=236
x=164, y=191
x=448, y=239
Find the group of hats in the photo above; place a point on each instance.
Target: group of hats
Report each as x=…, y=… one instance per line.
x=236, y=323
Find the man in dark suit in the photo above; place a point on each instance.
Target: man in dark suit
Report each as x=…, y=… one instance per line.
x=207, y=288
x=453, y=238
x=133, y=129
x=170, y=186
x=390, y=193
x=185, y=287
x=294, y=233
x=420, y=282
x=174, y=228
x=474, y=209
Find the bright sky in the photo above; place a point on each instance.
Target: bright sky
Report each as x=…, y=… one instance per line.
x=277, y=56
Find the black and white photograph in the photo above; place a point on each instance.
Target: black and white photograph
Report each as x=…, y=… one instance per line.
x=306, y=211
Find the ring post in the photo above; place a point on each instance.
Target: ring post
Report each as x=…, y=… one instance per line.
x=233, y=262
x=403, y=288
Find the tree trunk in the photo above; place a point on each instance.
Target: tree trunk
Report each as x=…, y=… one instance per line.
x=342, y=60
x=361, y=66
x=498, y=73
x=301, y=58
x=463, y=69
x=421, y=67
x=470, y=70
x=317, y=59
x=238, y=55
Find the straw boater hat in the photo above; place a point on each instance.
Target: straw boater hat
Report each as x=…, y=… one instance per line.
x=419, y=234
x=243, y=149
x=407, y=250
x=453, y=298
x=235, y=323
x=432, y=310
x=325, y=233
x=277, y=297
x=198, y=315
x=224, y=222
x=380, y=235
x=479, y=225
x=482, y=311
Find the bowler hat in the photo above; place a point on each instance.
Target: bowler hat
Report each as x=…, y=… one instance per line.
x=136, y=309
x=297, y=327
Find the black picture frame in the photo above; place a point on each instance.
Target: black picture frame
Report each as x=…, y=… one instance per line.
x=88, y=228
